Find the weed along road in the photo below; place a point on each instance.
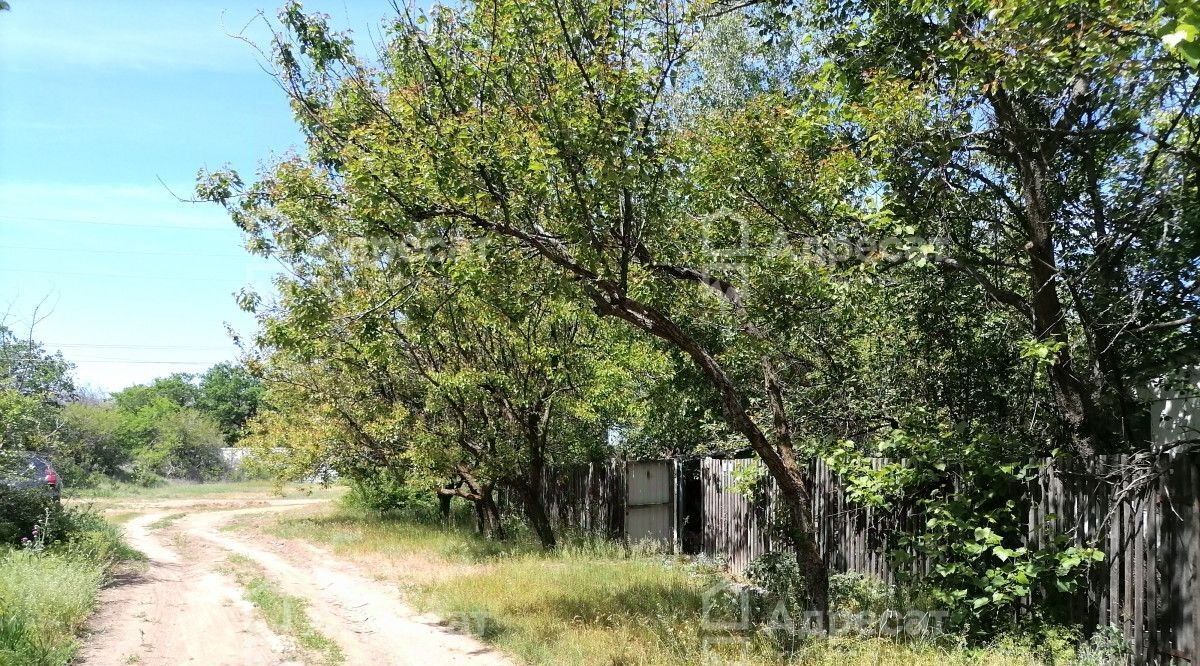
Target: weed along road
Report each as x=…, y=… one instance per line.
x=209, y=595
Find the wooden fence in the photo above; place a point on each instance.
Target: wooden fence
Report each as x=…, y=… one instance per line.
x=1147, y=585
x=588, y=498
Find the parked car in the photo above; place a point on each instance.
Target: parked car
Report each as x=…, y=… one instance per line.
x=29, y=471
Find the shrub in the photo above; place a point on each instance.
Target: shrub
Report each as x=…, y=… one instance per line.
x=778, y=576
x=183, y=444
x=853, y=592
x=1107, y=646
x=385, y=490
x=21, y=510
x=45, y=599
x=91, y=447
x=85, y=534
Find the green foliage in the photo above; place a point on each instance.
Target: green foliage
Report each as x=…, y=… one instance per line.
x=161, y=431
x=1182, y=31
x=27, y=368
x=179, y=389
x=778, y=576
x=27, y=422
x=958, y=234
x=386, y=490
x=48, y=586
x=969, y=487
x=1053, y=147
x=175, y=443
x=45, y=600
x=859, y=593
x=1106, y=646
x=231, y=396
x=748, y=480
x=172, y=427
x=21, y=510
x=33, y=384
x=82, y=533
x=91, y=447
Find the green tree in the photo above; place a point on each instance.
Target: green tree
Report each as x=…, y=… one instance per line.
x=27, y=368
x=230, y=395
x=27, y=423
x=542, y=128
x=179, y=388
x=91, y=446
x=476, y=373
x=1063, y=178
x=33, y=385
x=164, y=434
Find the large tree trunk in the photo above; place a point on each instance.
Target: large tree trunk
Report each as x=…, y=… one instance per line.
x=488, y=515
x=535, y=513
x=779, y=457
x=1032, y=152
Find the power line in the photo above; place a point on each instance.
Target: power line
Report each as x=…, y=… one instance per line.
x=149, y=278
x=147, y=347
x=106, y=223
x=138, y=252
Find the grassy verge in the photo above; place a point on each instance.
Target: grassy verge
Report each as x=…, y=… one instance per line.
x=165, y=521
x=285, y=614
x=182, y=490
x=589, y=603
x=47, y=595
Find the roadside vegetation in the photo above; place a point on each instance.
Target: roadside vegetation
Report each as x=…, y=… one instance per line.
x=49, y=581
x=524, y=236
x=284, y=614
x=169, y=430
x=594, y=601
x=527, y=236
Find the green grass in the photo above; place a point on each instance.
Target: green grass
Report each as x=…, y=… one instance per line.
x=44, y=602
x=182, y=490
x=46, y=597
x=589, y=603
x=165, y=521
x=285, y=614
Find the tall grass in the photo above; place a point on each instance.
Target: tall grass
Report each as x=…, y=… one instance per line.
x=186, y=490
x=46, y=594
x=45, y=600
x=591, y=601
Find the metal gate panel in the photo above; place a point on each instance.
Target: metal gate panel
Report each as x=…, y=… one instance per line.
x=650, y=505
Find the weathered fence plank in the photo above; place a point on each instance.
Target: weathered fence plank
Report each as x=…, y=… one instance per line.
x=1146, y=587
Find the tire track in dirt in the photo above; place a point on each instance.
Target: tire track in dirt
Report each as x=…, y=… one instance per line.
x=179, y=610
x=183, y=609
x=369, y=621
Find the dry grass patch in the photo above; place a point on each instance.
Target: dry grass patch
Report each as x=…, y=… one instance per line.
x=591, y=602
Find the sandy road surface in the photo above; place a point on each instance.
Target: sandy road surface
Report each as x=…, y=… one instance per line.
x=185, y=608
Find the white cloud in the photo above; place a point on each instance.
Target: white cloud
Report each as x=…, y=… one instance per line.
x=152, y=205
x=159, y=36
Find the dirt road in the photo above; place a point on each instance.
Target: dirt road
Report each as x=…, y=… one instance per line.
x=188, y=607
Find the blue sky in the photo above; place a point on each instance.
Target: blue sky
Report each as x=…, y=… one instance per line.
x=99, y=102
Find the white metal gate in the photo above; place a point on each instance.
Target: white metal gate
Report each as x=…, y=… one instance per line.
x=650, y=502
